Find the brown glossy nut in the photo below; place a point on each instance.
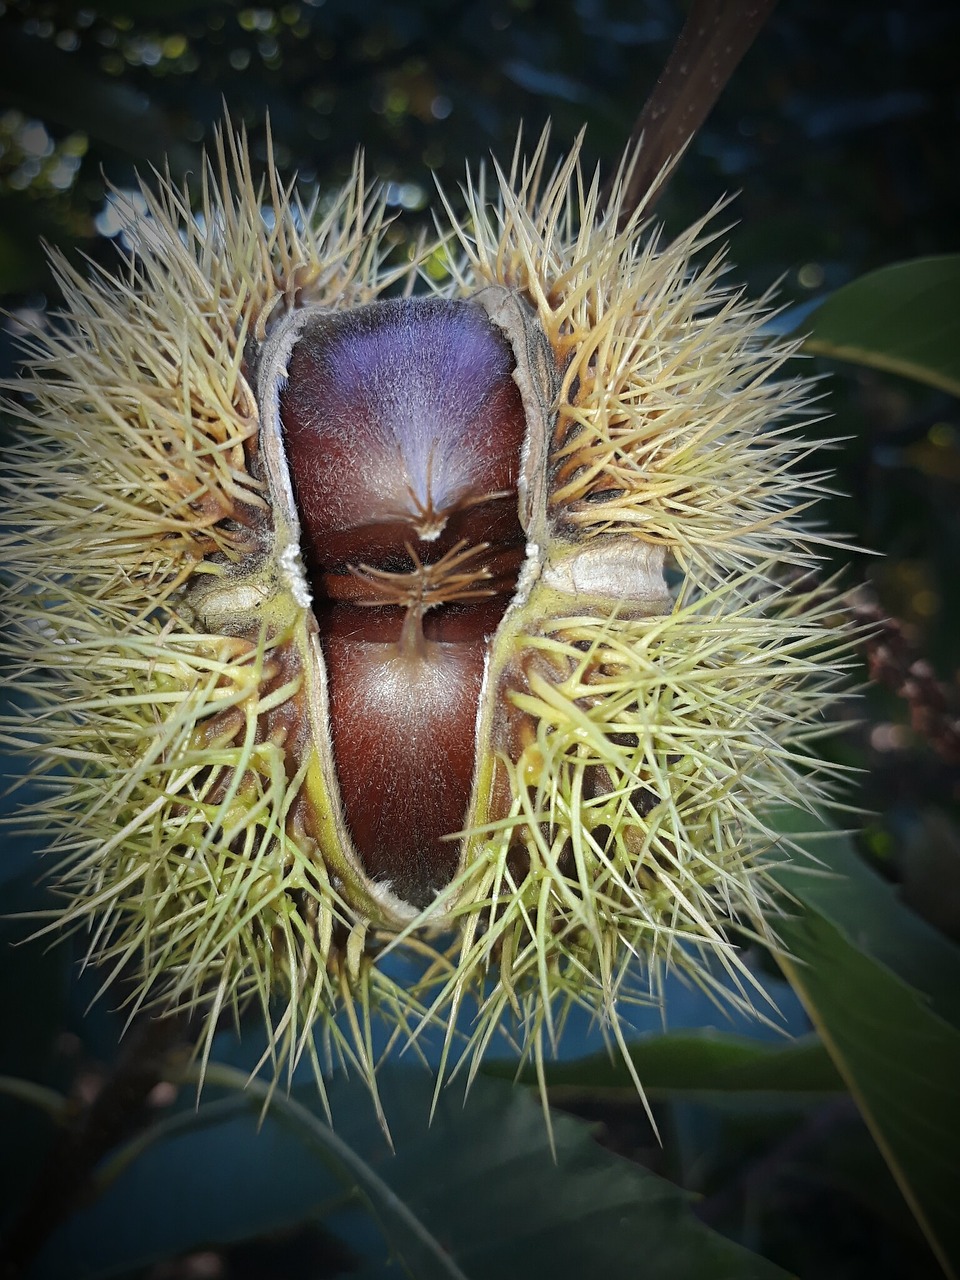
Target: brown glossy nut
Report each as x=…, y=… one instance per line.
x=403, y=428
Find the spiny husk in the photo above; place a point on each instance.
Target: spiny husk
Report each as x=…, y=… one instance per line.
x=652, y=744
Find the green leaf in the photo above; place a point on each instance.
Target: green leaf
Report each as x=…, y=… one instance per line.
x=904, y=318
x=838, y=885
x=700, y=1064
x=420, y=1251
x=867, y=972
x=901, y=1063
x=479, y=1181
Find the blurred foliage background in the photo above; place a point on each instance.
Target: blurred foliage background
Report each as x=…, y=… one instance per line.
x=839, y=136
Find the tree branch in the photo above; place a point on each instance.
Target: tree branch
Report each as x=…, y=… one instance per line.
x=708, y=50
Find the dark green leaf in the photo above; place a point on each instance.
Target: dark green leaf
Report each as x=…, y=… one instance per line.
x=901, y=1062
x=868, y=911
x=875, y=981
x=702, y=1063
x=480, y=1179
x=903, y=318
